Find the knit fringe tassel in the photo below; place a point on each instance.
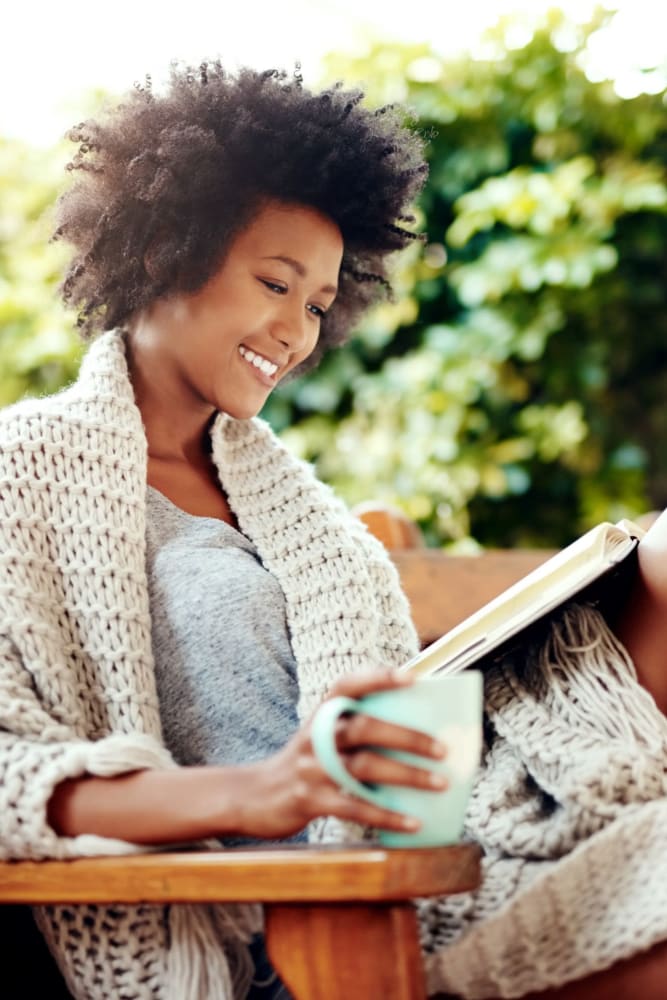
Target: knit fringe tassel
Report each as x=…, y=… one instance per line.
x=572, y=714
x=208, y=956
x=593, y=683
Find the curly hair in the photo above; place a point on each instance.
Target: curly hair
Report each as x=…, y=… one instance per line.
x=177, y=175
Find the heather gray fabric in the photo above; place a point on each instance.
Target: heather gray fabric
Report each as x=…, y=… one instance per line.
x=226, y=677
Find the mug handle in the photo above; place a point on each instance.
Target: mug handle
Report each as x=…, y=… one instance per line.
x=323, y=738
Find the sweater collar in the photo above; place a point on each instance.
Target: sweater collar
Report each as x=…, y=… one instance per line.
x=302, y=533
x=259, y=476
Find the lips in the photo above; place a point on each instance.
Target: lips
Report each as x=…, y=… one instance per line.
x=264, y=365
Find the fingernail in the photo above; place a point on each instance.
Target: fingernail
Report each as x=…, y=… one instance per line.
x=437, y=780
x=410, y=824
x=439, y=749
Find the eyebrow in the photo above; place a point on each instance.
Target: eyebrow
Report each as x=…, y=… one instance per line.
x=297, y=266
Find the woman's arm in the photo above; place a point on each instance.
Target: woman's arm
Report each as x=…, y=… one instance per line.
x=642, y=626
x=273, y=798
x=148, y=807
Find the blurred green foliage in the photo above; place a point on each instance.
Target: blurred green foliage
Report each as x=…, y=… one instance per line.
x=39, y=351
x=514, y=392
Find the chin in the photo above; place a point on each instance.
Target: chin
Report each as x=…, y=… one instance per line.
x=241, y=412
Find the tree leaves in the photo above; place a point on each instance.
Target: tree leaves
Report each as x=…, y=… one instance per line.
x=514, y=392
x=39, y=352
x=520, y=398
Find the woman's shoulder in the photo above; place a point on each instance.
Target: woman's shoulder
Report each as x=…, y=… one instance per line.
x=31, y=417
x=39, y=418
x=100, y=398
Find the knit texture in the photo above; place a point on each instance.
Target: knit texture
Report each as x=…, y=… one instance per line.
x=77, y=691
x=570, y=810
x=570, y=802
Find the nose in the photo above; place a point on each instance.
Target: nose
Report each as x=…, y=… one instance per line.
x=292, y=326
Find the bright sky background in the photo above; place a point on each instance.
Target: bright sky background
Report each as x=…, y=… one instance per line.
x=53, y=51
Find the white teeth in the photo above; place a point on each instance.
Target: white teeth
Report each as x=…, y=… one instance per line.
x=264, y=365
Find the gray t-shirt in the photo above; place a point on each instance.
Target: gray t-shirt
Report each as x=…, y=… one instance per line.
x=225, y=673
x=226, y=677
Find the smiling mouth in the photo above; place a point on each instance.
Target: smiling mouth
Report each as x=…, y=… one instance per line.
x=263, y=364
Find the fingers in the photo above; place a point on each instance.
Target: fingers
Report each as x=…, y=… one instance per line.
x=357, y=685
x=376, y=769
x=360, y=730
x=313, y=793
x=355, y=810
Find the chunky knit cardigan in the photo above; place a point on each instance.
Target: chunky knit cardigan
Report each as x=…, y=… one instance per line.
x=77, y=691
x=571, y=812
x=570, y=803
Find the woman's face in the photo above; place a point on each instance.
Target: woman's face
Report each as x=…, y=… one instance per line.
x=226, y=346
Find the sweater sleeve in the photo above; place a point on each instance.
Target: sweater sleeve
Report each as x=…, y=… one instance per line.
x=37, y=752
x=75, y=695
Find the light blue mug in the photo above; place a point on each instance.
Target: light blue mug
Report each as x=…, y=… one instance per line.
x=449, y=709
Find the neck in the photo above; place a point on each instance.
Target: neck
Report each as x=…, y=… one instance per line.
x=177, y=426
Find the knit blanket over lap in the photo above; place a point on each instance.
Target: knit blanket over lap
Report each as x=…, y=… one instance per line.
x=570, y=811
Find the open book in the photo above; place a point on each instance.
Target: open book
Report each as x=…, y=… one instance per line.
x=591, y=569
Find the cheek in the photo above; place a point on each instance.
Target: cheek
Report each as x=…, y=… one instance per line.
x=303, y=355
x=313, y=341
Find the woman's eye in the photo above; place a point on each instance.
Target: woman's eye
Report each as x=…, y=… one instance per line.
x=272, y=286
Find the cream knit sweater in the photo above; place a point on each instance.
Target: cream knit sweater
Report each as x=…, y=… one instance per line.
x=570, y=810
x=77, y=690
x=570, y=803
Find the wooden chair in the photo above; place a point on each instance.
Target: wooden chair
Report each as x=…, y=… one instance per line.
x=339, y=921
x=443, y=589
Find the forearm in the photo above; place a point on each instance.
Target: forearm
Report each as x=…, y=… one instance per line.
x=152, y=806
x=269, y=799
x=642, y=626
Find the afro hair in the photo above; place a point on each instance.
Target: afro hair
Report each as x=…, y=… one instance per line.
x=173, y=177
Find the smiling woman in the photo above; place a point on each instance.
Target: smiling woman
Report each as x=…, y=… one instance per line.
x=234, y=227
x=178, y=594
x=262, y=305
x=204, y=592
x=224, y=347
x=141, y=226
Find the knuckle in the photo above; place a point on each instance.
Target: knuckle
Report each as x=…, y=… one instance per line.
x=302, y=768
x=301, y=792
x=340, y=687
x=306, y=774
x=354, y=727
x=342, y=730
x=360, y=763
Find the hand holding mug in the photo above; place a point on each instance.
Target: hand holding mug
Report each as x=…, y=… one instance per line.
x=447, y=710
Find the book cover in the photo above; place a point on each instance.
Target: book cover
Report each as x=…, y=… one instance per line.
x=596, y=568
